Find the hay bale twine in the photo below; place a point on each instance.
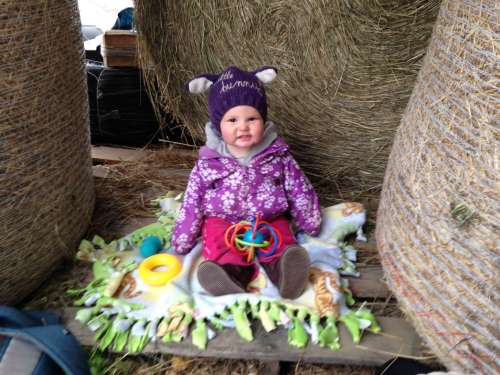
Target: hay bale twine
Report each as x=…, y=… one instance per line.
x=46, y=186
x=438, y=220
x=346, y=71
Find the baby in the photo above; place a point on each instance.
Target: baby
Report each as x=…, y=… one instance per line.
x=243, y=171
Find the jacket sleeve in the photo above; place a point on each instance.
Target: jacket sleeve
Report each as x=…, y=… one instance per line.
x=190, y=217
x=302, y=199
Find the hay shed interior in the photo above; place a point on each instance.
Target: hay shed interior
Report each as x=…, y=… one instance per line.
x=392, y=102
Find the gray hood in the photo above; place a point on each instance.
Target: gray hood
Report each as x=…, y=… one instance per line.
x=215, y=142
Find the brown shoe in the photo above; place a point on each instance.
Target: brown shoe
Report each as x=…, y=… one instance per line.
x=219, y=280
x=290, y=272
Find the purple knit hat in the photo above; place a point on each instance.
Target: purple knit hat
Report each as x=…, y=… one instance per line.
x=231, y=88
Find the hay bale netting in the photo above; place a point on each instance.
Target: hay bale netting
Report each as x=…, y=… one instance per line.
x=438, y=221
x=46, y=186
x=346, y=71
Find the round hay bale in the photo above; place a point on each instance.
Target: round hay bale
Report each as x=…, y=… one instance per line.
x=46, y=185
x=346, y=69
x=437, y=226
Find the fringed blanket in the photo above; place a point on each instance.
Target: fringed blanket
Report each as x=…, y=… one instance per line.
x=126, y=313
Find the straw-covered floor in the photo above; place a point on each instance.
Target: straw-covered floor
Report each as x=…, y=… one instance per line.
x=345, y=72
x=173, y=365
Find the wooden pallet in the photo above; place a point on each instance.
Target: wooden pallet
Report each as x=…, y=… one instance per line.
x=398, y=337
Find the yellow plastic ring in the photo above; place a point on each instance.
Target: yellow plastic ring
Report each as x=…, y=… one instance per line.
x=152, y=277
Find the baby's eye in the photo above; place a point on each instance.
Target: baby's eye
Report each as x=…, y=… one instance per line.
x=232, y=119
x=252, y=119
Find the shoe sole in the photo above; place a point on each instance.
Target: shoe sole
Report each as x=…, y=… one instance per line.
x=216, y=281
x=292, y=284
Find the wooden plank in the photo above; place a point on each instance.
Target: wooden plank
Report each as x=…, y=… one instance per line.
x=370, y=284
x=103, y=171
x=116, y=154
x=114, y=61
x=120, y=38
x=398, y=339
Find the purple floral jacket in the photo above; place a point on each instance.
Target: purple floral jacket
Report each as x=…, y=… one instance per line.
x=271, y=185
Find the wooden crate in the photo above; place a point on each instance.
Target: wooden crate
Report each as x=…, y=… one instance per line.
x=119, y=48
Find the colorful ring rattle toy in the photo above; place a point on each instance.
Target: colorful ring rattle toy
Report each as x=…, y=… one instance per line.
x=152, y=277
x=253, y=237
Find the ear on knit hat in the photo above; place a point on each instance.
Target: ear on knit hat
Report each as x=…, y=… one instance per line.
x=201, y=83
x=266, y=74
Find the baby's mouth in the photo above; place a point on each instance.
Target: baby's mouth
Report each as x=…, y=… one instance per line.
x=245, y=136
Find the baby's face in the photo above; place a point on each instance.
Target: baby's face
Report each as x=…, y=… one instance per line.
x=242, y=127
